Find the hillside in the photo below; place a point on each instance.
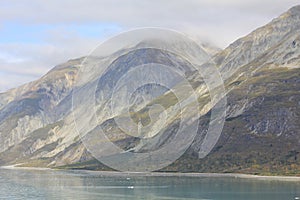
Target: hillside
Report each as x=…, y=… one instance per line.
x=261, y=134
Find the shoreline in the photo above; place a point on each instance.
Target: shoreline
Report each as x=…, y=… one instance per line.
x=18, y=167
x=203, y=175
x=163, y=174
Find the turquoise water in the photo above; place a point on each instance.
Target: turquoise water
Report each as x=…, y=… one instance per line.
x=49, y=184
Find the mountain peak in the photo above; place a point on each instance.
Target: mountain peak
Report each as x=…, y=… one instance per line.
x=292, y=12
x=295, y=10
x=261, y=41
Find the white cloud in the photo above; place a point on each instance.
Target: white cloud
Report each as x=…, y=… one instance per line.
x=23, y=62
x=219, y=22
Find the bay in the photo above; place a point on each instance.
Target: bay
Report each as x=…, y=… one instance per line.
x=16, y=184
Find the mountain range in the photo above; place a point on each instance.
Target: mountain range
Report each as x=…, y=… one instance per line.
x=261, y=134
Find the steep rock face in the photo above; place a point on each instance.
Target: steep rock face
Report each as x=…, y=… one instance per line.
x=261, y=74
x=264, y=39
x=261, y=133
x=35, y=105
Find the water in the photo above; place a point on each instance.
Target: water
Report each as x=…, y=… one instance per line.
x=49, y=184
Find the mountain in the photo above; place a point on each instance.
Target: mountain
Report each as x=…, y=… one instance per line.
x=261, y=133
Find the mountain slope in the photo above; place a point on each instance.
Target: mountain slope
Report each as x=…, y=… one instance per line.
x=265, y=39
x=261, y=134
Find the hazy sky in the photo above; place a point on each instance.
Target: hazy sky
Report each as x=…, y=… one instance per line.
x=36, y=35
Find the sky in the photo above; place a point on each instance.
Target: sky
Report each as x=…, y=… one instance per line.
x=36, y=35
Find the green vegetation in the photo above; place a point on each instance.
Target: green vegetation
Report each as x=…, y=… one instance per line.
x=87, y=165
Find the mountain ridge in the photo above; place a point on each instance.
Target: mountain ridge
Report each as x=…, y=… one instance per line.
x=260, y=71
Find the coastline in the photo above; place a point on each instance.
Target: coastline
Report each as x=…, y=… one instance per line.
x=203, y=175
x=164, y=174
x=18, y=167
